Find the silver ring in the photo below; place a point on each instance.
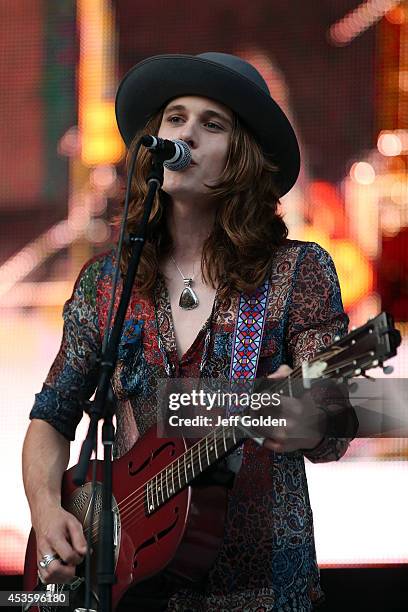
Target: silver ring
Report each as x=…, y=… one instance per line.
x=47, y=559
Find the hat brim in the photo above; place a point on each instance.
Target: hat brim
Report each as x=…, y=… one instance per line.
x=149, y=85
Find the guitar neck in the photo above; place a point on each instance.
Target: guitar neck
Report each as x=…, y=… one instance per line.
x=182, y=471
x=363, y=348
x=206, y=452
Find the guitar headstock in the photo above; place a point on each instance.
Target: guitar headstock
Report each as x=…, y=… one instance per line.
x=366, y=347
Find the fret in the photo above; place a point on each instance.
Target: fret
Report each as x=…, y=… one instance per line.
x=157, y=492
x=178, y=471
x=172, y=479
x=192, y=461
x=199, y=456
x=159, y=488
x=289, y=383
x=215, y=443
x=224, y=439
x=150, y=504
x=206, y=450
x=167, y=484
x=160, y=476
x=185, y=470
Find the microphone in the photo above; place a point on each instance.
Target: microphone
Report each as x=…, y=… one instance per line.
x=177, y=153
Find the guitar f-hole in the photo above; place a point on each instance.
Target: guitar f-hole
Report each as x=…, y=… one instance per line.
x=156, y=537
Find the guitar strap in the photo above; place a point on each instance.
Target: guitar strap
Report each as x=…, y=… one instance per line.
x=249, y=328
x=246, y=347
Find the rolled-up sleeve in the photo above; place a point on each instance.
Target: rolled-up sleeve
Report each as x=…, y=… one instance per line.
x=73, y=375
x=315, y=317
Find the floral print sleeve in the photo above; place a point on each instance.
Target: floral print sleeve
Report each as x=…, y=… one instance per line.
x=72, y=377
x=315, y=317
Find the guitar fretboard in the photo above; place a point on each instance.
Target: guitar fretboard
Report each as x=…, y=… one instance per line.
x=368, y=346
x=182, y=471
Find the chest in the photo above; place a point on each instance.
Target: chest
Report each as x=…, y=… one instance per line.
x=187, y=323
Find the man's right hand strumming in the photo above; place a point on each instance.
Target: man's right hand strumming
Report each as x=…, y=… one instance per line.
x=61, y=544
x=58, y=533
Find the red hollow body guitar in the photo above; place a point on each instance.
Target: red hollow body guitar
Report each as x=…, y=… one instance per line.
x=160, y=521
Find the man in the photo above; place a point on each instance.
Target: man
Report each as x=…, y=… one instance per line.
x=214, y=233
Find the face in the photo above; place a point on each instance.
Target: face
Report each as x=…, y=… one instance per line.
x=206, y=126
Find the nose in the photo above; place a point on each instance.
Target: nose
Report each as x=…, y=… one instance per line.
x=189, y=141
x=187, y=133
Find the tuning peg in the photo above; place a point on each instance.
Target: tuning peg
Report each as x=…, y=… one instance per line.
x=388, y=369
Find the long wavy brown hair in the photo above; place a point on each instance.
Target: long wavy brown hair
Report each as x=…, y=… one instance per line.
x=247, y=228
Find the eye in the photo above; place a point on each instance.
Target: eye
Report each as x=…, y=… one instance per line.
x=174, y=119
x=214, y=126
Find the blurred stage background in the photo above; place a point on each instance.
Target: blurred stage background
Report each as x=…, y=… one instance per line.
x=340, y=70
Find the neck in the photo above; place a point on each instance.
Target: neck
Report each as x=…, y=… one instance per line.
x=189, y=224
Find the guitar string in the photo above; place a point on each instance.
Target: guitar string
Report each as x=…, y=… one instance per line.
x=156, y=490
x=297, y=373
x=137, y=512
x=196, y=446
x=176, y=464
x=131, y=499
x=131, y=515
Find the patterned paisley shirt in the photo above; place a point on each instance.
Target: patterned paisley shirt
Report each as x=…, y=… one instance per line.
x=267, y=561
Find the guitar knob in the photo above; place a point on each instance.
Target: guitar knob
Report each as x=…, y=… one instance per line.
x=388, y=369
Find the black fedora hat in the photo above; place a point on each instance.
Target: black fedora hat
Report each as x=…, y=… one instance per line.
x=228, y=79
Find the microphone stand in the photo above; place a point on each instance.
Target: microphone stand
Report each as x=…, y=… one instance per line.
x=103, y=408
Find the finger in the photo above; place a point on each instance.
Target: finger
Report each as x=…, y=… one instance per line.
x=282, y=372
x=41, y=578
x=77, y=538
x=272, y=445
x=279, y=435
x=290, y=405
x=56, y=573
x=285, y=447
x=54, y=569
x=66, y=552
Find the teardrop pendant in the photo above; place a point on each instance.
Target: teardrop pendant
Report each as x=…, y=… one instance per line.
x=188, y=298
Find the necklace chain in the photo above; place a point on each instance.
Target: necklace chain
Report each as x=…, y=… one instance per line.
x=181, y=273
